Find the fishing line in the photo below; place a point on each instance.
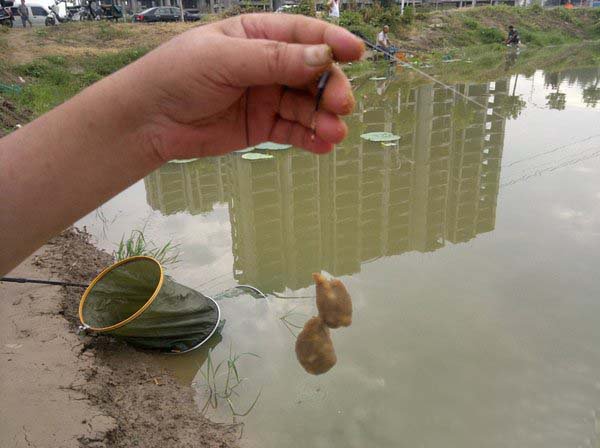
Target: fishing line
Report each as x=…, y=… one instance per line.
x=428, y=76
x=213, y=279
x=558, y=148
x=578, y=151
x=452, y=89
x=551, y=169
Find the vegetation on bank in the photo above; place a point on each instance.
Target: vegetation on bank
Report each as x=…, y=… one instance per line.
x=54, y=79
x=57, y=62
x=457, y=28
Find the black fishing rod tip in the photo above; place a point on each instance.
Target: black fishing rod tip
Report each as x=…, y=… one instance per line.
x=321, y=84
x=323, y=80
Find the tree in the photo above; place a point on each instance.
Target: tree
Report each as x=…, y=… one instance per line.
x=512, y=105
x=591, y=94
x=556, y=100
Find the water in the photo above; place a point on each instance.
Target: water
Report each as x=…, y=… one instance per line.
x=471, y=249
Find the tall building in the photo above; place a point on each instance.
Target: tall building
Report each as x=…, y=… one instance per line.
x=193, y=187
x=298, y=213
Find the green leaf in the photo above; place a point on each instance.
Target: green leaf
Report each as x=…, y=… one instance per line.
x=380, y=137
x=272, y=146
x=256, y=156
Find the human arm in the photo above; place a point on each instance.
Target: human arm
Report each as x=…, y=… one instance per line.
x=209, y=91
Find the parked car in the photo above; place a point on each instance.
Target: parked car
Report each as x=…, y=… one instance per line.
x=287, y=8
x=37, y=13
x=158, y=14
x=191, y=15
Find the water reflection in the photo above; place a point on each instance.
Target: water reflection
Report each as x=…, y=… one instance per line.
x=491, y=343
x=298, y=213
x=587, y=79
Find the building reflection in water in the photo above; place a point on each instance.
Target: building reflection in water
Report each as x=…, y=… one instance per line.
x=298, y=213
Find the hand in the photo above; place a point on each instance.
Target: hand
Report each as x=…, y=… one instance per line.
x=246, y=80
x=211, y=90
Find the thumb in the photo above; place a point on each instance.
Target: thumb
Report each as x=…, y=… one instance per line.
x=260, y=62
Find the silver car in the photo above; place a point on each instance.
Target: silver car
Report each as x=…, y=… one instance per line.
x=37, y=14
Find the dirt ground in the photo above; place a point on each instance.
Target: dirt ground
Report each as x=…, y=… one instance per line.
x=61, y=389
x=10, y=117
x=81, y=38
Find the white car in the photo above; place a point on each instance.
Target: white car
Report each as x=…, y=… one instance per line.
x=37, y=13
x=286, y=9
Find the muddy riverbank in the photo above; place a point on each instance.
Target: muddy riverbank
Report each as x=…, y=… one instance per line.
x=63, y=389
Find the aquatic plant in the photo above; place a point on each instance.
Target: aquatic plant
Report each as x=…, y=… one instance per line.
x=380, y=137
x=223, y=386
x=256, y=156
x=182, y=160
x=137, y=244
x=272, y=146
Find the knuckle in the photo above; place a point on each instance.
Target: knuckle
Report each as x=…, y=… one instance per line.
x=277, y=53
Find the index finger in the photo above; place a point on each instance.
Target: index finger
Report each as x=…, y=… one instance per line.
x=295, y=28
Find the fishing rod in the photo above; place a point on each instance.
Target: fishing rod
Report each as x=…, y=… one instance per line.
x=80, y=285
x=422, y=73
x=41, y=282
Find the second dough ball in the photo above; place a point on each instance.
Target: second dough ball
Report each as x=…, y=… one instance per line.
x=314, y=347
x=333, y=302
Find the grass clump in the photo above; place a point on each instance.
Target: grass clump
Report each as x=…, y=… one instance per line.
x=222, y=386
x=354, y=22
x=490, y=35
x=470, y=23
x=54, y=79
x=136, y=244
x=107, y=31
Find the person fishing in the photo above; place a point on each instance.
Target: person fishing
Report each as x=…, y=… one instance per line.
x=513, y=37
x=215, y=89
x=383, y=43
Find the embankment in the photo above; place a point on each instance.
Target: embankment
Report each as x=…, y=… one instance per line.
x=60, y=389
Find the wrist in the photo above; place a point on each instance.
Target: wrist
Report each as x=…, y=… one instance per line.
x=122, y=112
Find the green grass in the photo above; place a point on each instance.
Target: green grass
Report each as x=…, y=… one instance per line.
x=136, y=244
x=489, y=24
x=490, y=62
x=55, y=79
x=222, y=384
x=107, y=31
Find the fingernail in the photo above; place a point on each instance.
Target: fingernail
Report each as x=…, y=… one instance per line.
x=317, y=55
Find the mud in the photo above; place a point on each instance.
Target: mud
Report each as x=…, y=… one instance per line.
x=148, y=407
x=10, y=117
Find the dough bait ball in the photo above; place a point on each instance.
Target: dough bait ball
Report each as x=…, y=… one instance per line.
x=333, y=302
x=314, y=347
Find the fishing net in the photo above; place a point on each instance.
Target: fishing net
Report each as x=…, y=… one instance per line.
x=135, y=301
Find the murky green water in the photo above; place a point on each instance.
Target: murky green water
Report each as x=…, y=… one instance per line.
x=471, y=249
